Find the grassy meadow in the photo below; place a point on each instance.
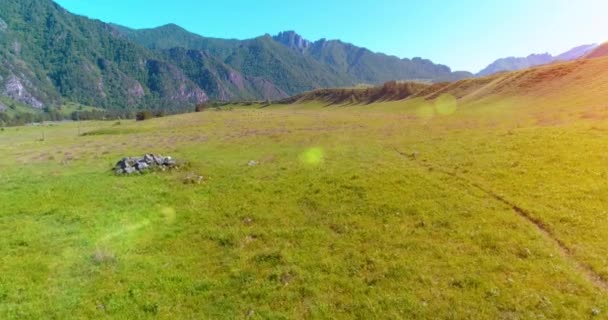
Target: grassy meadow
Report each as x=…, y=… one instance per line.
x=396, y=210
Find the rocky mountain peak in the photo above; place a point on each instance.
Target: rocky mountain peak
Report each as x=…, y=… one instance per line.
x=292, y=40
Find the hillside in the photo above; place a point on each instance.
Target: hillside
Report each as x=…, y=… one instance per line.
x=173, y=36
x=261, y=58
x=365, y=66
x=323, y=63
x=555, y=82
x=601, y=51
x=519, y=63
x=48, y=55
x=219, y=80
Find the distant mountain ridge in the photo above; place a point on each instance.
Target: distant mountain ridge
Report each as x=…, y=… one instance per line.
x=365, y=66
x=519, y=63
x=345, y=63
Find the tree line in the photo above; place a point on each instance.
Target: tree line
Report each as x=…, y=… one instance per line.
x=51, y=114
x=23, y=118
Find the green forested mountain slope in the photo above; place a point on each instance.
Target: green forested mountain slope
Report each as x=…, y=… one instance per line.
x=326, y=61
x=368, y=67
x=48, y=55
x=219, y=80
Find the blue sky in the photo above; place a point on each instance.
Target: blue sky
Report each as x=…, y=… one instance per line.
x=463, y=34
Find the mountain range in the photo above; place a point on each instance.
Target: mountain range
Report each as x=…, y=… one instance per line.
x=49, y=56
x=519, y=63
x=293, y=63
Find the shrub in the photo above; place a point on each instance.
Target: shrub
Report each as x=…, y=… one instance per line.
x=200, y=107
x=144, y=115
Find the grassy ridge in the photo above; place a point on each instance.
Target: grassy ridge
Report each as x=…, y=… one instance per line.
x=351, y=212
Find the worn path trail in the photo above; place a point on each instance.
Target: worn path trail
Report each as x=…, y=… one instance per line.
x=540, y=226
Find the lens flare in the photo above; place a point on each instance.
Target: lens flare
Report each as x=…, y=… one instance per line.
x=169, y=214
x=124, y=231
x=312, y=156
x=446, y=104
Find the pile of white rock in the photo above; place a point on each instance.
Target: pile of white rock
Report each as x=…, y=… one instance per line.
x=132, y=165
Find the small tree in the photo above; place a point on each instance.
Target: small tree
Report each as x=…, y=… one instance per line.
x=200, y=107
x=144, y=115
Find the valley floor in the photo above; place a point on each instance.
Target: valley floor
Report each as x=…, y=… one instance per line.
x=395, y=210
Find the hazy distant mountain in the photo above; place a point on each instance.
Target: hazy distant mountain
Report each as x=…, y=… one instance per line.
x=518, y=63
x=576, y=53
x=514, y=63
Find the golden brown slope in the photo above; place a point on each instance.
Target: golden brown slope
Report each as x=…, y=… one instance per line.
x=390, y=91
x=585, y=81
x=601, y=51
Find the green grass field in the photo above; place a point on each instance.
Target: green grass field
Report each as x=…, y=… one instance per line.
x=412, y=210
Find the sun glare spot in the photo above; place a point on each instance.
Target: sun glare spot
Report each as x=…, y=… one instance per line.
x=124, y=230
x=169, y=214
x=312, y=156
x=446, y=105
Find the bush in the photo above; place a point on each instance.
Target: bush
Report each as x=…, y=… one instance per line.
x=144, y=115
x=200, y=107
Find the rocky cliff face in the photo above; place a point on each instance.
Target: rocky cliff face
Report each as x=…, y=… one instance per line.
x=292, y=40
x=15, y=89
